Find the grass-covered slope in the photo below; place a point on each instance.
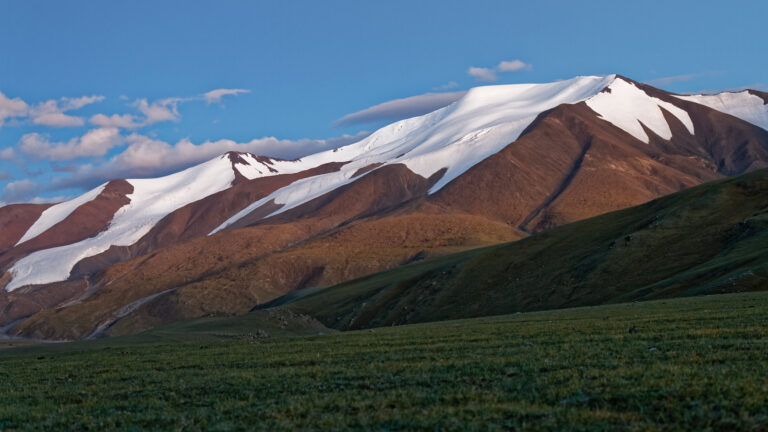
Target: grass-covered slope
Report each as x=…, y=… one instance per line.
x=709, y=239
x=692, y=364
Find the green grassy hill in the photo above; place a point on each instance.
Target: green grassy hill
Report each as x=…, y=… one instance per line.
x=689, y=364
x=708, y=239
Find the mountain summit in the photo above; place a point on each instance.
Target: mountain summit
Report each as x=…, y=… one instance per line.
x=500, y=163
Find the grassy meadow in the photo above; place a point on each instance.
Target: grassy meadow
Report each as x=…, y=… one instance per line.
x=695, y=363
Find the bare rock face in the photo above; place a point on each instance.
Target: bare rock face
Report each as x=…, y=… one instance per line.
x=274, y=226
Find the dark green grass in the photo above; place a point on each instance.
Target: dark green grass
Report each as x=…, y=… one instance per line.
x=710, y=239
x=693, y=364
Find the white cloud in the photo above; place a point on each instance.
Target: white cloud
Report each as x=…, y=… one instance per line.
x=400, y=108
x=214, y=96
x=7, y=154
x=160, y=111
x=57, y=119
x=11, y=108
x=77, y=103
x=155, y=112
x=23, y=191
x=482, y=74
x=96, y=142
x=124, y=121
x=511, y=66
x=147, y=157
x=18, y=191
x=489, y=75
x=448, y=86
x=665, y=81
x=51, y=112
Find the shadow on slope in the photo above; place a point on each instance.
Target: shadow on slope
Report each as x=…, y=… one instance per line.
x=705, y=240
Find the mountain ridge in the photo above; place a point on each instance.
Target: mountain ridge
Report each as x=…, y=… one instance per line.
x=513, y=170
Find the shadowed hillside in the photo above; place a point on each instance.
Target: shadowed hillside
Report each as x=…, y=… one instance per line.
x=706, y=240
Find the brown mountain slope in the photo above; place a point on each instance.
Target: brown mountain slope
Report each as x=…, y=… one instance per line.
x=760, y=94
x=15, y=219
x=593, y=168
x=87, y=220
x=568, y=165
x=199, y=218
x=237, y=270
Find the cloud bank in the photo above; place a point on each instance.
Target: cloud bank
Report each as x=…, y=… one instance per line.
x=11, y=108
x=399, y=109
x=148, y=157
x=96, y=142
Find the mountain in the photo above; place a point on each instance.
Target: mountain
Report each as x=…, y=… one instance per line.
x=709, y=239
x=500, y=163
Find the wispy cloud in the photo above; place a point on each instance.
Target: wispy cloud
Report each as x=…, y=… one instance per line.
x=400, y=108
x=50, y=200
x=482, y=74
x=512, y=66
x=7, y=154
x=123, y=121
x=665, y=81
x=155, y=112
x=674, y=79
x=158, y=111
x=755, y=86
x=449, y=86
x=50, y=113
x=491, y=74
x=214, y=96
x=11, y=108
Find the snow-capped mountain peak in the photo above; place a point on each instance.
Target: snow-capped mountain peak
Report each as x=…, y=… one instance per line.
x=449, y=141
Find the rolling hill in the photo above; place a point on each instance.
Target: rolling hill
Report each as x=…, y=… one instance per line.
x=709, y=239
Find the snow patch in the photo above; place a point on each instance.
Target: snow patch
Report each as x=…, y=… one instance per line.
x=743, y=105
x=57, y=213
x=151, y=200
x=626, y=106
x=253, y=168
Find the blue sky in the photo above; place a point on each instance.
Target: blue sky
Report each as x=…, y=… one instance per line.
x=93, y=90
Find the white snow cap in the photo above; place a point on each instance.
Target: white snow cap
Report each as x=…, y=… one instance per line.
x=744, y=105
x=151, y=200
x=627, y=106
x=456, y=137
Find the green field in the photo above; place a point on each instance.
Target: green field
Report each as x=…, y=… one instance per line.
x=696, y=363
